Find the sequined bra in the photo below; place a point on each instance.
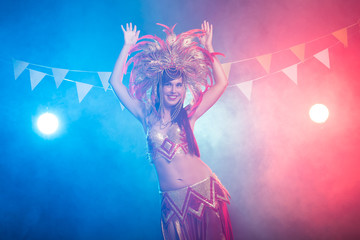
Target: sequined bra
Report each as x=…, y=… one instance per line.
x=166, y=143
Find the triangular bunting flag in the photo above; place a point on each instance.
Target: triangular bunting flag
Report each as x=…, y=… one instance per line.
x=341, y=35
x=265, y=61
x=323, y=57
x=299, y=51
x=35, y=78
x=245, y=88
x=82, y=90
x=291, y=72
x=122, y=107
x=104, y=77
x=227, y=68
x=19, y=67
x=59, y=75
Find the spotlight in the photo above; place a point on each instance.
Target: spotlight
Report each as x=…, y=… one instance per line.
x=47, y=123
x=319, y=113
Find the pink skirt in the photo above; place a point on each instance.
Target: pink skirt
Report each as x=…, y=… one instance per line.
x=196, y=212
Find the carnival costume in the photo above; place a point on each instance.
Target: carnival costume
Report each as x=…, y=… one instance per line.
x=198, y=211
x=166, y=144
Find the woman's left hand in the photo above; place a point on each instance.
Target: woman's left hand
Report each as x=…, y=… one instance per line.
x=206, y=39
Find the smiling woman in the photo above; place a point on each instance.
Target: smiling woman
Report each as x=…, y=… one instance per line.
x=173, y=91
x=194, y=202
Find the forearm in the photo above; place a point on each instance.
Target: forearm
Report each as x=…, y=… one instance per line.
x=117, y=74
x=218, y=71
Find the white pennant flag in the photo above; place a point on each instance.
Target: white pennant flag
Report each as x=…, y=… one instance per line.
x=35, y=78
x=122, y=107
x=323, y=57
x=104, y=77
x=59, y=75
x=19, y=67
x=245, y=88
x=291, y=72
x=82, y=90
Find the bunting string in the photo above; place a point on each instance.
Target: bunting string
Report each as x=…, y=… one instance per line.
x=278, y=71
x=305, y=43
x=59, y=75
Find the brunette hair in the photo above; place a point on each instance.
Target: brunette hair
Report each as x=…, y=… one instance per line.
x=181, y=119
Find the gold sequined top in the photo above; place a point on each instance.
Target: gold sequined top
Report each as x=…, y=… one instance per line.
x=167, y=142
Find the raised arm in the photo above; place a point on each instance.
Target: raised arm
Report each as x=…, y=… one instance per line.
x=221, y=81
x=136, y=107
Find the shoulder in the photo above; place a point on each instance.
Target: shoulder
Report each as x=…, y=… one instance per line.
x=190, y=110
x=149, y=116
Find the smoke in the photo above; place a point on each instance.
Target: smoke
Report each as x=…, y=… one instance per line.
x=289, y=178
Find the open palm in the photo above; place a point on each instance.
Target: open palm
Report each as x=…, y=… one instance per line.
x=206, y=39
x=130, y=34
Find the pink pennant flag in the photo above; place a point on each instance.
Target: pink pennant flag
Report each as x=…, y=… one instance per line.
x=323, y=57
x=59, y=75
x=226, y=67
x=104, y=78
x=299, y=51
x=35, y=78
x=82, y=90
x=291, y=72
x=245, y=88
x=265, y=61
x=341, y=35
x=19, y=67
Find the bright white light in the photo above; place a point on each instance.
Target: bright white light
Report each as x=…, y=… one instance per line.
x=47, y=123
x=319, y=113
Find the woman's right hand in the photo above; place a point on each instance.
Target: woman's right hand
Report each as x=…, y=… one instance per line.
x=130, y=35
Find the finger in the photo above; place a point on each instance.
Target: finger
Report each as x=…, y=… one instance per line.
x=207, y=27
x=122, y=27
x=137, y=34
x=130, y=26
x=135, y=28
x=211, y=29
x=127, y=27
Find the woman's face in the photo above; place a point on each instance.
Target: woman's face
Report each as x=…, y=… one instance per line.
x=173, y=92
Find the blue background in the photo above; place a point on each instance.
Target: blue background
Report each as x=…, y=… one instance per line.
x=92, y=179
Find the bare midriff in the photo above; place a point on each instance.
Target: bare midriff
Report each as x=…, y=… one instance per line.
x=184, y=170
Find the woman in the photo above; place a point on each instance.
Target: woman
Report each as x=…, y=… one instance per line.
x=194, y=203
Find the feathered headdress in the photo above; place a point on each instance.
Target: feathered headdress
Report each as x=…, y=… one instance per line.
x=179, y=55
